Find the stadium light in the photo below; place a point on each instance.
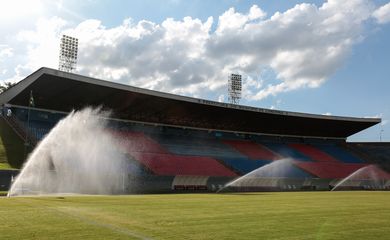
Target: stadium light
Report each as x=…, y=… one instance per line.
x=234, y=88
x=68, y=54
x=380, y=134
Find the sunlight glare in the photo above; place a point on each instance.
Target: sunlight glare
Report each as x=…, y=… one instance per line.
x=13, y=9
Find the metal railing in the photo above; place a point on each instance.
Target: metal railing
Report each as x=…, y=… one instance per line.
x=20, y=129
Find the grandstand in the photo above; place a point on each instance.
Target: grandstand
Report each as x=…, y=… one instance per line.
x=180, y=144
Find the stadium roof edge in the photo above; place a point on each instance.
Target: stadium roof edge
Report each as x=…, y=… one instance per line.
x=29, y=80
x=44, y=70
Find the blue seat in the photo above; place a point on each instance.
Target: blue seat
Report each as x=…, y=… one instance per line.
x=340, y=154
x=193, y=146
x=243, y=165
x=284, y=150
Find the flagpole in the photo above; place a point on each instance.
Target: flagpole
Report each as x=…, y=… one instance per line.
x=30, y=103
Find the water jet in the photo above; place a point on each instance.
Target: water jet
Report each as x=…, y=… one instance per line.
x=369, y=177
x=79, y=156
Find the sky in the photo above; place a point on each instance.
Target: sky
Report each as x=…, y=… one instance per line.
x=322, y=57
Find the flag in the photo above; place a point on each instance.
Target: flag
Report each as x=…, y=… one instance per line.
x=31, y=102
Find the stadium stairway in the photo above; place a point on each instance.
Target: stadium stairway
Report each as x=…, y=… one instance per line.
x=18, y=127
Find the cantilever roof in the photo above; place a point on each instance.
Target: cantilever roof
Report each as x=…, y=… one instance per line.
x=61, y=91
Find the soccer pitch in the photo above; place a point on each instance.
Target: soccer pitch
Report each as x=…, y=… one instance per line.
x=281, y=215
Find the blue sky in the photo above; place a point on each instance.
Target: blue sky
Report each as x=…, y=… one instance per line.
x=323, y=57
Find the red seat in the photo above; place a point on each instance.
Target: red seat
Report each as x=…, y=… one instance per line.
x=173, y=165
x=313, y=153
x=253, y=150
x=139, y=142
x=329, y=169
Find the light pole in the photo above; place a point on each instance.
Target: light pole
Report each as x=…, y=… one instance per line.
x=380, y=134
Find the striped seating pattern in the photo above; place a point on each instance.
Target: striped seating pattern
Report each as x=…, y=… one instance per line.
x=243, y=165
x=313, y=153
x=168, y=164
x=329, y=169
x=287, y=152
x=252, y=150
x=340, y=154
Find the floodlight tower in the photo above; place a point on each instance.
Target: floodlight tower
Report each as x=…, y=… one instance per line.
x=68, y=54
x=234, y=88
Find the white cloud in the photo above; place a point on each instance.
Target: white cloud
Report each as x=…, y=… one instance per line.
x=380, y=115
x=43, y=43
x=232, y=21
x=5, y=52
x=221, y=98
x=382, y=14
x=277, y=104
x=302, y=46
x=14, y=9
x=327, y=114
x=167, y=57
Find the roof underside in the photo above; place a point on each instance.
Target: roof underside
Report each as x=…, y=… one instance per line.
x=61, y=91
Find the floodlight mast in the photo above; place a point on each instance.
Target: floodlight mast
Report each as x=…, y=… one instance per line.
x=68, y=54
x=234, y=88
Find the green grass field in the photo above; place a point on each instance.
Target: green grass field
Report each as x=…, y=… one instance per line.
x=294, y=215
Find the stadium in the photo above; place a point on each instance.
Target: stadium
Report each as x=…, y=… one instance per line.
x=85, y=157
x=177, y=144
x=272, y=169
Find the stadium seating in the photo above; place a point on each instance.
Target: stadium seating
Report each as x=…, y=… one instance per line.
x=252, y=150
x=195, y=146
x=284, y=170
x=167, y=151
x=39, y=129
x=172, y=165
x=139, y=142
x=374, y=172
x=135, y=168
x=329, y=170
x=243, y=165
x=339, y=153
x=38, y=123
x=161, y=162
x=313, y=152
x=376, y=152
x=286, y=152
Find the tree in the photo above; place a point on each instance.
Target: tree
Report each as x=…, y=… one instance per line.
x=5, y=86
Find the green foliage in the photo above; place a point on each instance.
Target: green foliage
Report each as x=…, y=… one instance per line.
x=5, y=165
x=5, y=86
x=289, y=215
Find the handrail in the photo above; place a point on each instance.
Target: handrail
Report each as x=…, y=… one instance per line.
x=18, y=132
x=19, y=128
